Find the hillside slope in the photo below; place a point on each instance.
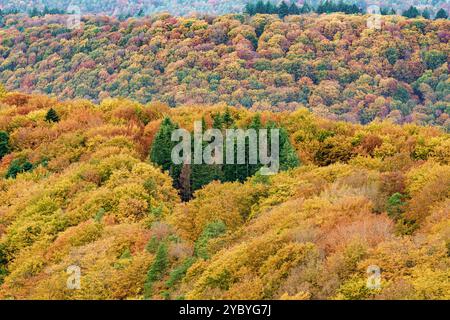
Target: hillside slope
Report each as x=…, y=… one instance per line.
x=81, y=192
x=332, y=64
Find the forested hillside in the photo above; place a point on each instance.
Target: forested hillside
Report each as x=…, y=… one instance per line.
x=183, y=7
x=332, y=64
x=77, y=188
x=88, y=180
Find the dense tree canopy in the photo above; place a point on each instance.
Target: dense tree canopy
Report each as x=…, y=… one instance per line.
x=88, y=180
x=4, y=144
x=441, y=14
x=124, y=9
x=83, y=193
x=332, y=64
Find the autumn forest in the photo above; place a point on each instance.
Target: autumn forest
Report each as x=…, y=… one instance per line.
x=86, y=180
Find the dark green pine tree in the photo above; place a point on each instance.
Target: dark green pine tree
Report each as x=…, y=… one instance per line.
x=27, y=166
x=426, y=14
x=47, y=11
x=52, y=116
x=396, y=206
x=355, y=9
x=140, y=13
x=161, y=151
x=157, y=270
x=288, y=157
x=34, y=13
x=387, y=11
x=260, y=7
x=3, y=262
x=306, y=8
x=283, y=9
x=441, y=14
x=203, y=174
x=18, y=166
x=217, y=121
x=240, y=172
x=250, y=9
x=251, y=169
x=326, y=7
x=270, y=8
x=256, y=122
x=229, y=170
x=14, y=169
x=228, y=120
x=412, y=12
x=341, y=7
x=294, y=9
x=4, y=144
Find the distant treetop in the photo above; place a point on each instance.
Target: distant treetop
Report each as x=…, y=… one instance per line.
x=137, y=8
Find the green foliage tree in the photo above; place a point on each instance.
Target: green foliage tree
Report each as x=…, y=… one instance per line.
x=412, y=12
x=217, y=121
x=4, y=144
x=52, y=116
x=283, y=9
x=3, y=262
x=326, y=7
x=391, y=55
x=152, y=245
x=260, y=7
x=395, y=206
x=270, y=8
x=161, y=150
x=250, y=9
x=288, y=156
x=228, y=119
x=179, y=272
x=141, y=13
x=294, y=9
x=18, y=166
x=384, y=11
x=426, y=14
x=434, y=59
x=401, y=94
x=306, y=8
x=441, y=14
x=157, y=269
x=202, y=174
x=211, y=231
